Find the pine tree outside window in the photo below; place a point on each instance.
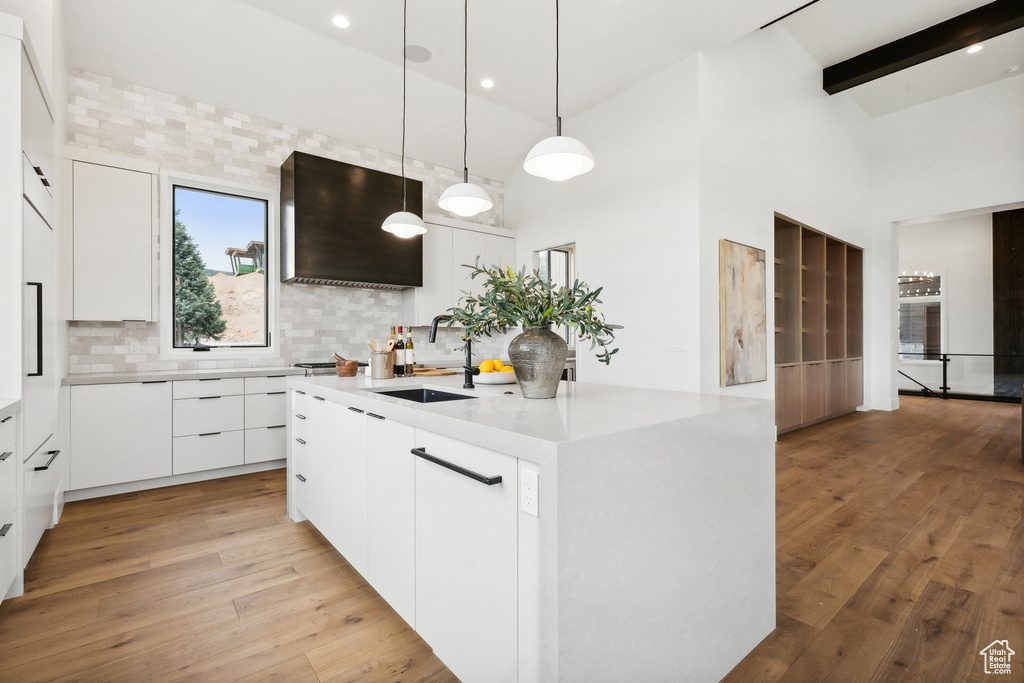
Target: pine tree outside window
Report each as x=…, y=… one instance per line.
x=219, y=270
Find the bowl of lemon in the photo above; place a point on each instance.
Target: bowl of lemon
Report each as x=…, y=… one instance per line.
x=493, y=371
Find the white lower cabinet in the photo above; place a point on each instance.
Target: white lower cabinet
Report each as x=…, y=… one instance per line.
x=314, y=437
x=9, y=530
x=466, y=557
x=208, y=451
x=346, y=486
x=391, y=515
x=120, y=433
x=39, y=496
x=264, y=444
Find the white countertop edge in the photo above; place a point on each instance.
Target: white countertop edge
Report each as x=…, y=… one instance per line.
x=9, y=407
x=175, y=375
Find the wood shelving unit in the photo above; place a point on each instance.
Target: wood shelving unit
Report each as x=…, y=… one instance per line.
x=819, y=329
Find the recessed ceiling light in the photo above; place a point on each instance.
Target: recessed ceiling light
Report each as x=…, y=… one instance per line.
x=340, y=21
x=487, y=83
x=974, y=48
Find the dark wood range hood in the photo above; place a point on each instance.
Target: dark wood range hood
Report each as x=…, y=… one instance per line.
x=331, y=213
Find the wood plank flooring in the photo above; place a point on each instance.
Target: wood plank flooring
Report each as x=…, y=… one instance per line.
x=202, y=582
x=900, y=555
x=900, y=546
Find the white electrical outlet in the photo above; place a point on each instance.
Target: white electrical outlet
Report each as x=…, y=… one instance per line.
x=528, y=492
x=133, y=346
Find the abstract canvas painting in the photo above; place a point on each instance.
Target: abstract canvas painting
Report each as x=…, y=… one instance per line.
x=743, y=314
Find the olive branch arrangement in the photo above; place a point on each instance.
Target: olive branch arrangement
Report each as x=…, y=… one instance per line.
x=510, y=299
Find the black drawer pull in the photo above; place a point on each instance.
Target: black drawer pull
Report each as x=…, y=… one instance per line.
x=490, y=481
x=276, y=393
x=375, y=415
x=5, y=455
x=211, y=379
x=53, y=456
x=206, y=398
x=7, y=527
x=300, y=478
x=156, y=381
x=299, y=391
x=300, y=416
x=277, y=426
x=276, y=376
x=210, y=434
x=320, y=398
x=6, y=419
x=355, y=410
x=301, y=441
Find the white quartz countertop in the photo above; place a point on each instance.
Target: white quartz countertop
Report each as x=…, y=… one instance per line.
x=176, y=375
x=510, y=423
x=8, y=407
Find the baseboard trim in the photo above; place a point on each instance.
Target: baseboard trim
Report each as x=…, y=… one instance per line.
x=174, y=480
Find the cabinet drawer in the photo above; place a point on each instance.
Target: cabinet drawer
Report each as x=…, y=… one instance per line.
x=36, y=191
x=265, y=385
x=208, y=452
x=265, y=410
x=8, y=553
x=8, y=483
x=197, y=388
x=212, y=414
x=268, y=443
x=8, y=433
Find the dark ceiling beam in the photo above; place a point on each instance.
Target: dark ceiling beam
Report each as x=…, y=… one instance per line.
x=987, y=21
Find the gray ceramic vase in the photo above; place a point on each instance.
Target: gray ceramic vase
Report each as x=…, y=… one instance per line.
x=538, y=357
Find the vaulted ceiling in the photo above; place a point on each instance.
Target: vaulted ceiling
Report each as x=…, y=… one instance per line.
x=286, y=61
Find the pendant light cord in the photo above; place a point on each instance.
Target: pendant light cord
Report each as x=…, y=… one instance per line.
x=405, y=57
x=465, y=90
x=558, y=118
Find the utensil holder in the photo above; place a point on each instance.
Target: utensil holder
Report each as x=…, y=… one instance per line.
x=382, y=365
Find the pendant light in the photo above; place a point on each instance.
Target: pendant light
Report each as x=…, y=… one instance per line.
x=559, y=157
x=404, y=223
x=465, y=199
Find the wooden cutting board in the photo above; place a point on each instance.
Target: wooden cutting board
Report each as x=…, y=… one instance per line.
x=434, y=372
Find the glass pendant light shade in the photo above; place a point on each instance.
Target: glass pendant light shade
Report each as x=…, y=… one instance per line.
x=404, y=224
x=558, y=158
x=465, y=199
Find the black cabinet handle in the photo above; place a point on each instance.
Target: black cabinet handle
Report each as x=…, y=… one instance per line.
x=5, y=455
x=301, y=441
x=300, y=416
x=156, y=381
x=207, y=398
x=355, y=410
x=300, y=478
x=320, y=398
x=5, y=529
x=39, y=329
x=490, y=481
x=276, y=393
x=210, y=434
x=299, y=391
x=277, y=426
x=53, y=456
x=6, y=419
x=210, y=379
x=375, y=415
x=275, y=376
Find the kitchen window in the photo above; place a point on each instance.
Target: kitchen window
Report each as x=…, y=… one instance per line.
x=218, y=274
x=557, y=266
x=921, y=324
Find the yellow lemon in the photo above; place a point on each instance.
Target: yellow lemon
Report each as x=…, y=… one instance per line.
x=487, y=366
x=506, y=368
x=498, y=365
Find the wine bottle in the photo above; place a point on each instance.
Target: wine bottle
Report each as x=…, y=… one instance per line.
x=409, y=369
x=399, y=354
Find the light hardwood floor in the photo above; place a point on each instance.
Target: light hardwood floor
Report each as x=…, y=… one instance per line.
x=900, y=555
x=900, y=546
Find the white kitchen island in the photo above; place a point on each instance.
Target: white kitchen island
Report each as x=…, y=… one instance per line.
x=652, y=556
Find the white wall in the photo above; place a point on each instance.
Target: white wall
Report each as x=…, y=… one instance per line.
x=959, y=153
x=634, y=220
x=772, y=140
x=960, y=250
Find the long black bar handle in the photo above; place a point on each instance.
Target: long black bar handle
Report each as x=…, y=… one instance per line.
x=53, y=456
x=490, y=481
x=6, y=419
x=375, y=416
x=5, y=529
x=5, y=455
x=39, y=329
x=300, y=478
x=355, y=410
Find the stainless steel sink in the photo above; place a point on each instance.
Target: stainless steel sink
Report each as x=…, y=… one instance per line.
x=423, y=395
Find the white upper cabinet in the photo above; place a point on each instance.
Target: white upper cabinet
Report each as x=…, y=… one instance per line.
x=445, y=280
x=113, y=222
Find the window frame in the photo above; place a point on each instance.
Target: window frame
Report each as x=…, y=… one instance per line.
x=168, y=181
x=936, y=298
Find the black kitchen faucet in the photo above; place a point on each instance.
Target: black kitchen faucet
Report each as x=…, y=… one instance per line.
x=468, y=367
